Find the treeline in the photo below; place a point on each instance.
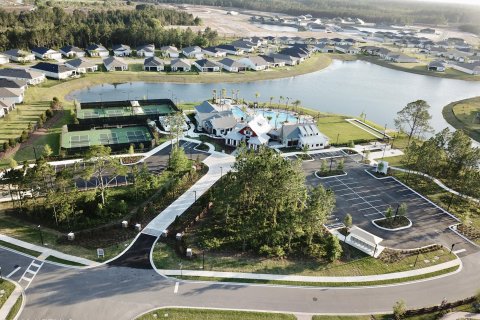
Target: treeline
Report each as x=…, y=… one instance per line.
x=54, y=27
x=401, y=12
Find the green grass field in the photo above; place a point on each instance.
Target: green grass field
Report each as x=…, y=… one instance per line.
x=206, y=314
x=334, y=125
x=8, y=287
x=352, y=263
x=464, y=114
x=15, y=309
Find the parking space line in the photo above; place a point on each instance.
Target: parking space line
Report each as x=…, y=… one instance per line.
x=13, y=272
x=176, y=287
x=371, y=214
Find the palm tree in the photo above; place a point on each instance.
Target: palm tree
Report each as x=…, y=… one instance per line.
x=296, y=103
x=280, y=100
x=214, y=95
x=256, y=97
x=271, y=99
x=286, y=105
x=238, y=91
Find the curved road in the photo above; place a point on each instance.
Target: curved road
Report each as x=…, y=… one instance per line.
x=129, y=286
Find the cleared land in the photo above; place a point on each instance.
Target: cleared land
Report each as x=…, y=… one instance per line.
x=205, y=314
x=465, y=115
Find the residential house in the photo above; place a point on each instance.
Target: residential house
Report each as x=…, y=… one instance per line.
x=305, y=135
x=115, y=64
x=46, y=53
x=14, y=95
x=4, y=59
x=254, y=133
x=194, y=52
x=121, y=50
x=325, y=48
x=153, y=64
x=13, y=84
x=82, y=65
x=232, y=65
x=229, y=49
x=97, y=50
x=205, y=65
x=372, y=50
x=245, y=46
x=206, y=110
x=6, y=107
x=273, y=61
x=437, y=65
x=347, y=49
x=54, y=71
x=19, y=55
x=147, y=51
x=287, y=59
x=220, y=124
x=469, y=68
x=72, y=52
x=256, y=63
x=182, y=65
x=31, y=77
x=400, y=58
x=213, y=52
x=299, y=55
x=170, y=51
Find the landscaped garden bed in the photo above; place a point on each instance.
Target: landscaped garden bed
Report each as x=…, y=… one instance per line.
x=304, y=157
x=130, y=160
x=469, y=232
x=202, y=147
x=205, y=314
x=394, y=223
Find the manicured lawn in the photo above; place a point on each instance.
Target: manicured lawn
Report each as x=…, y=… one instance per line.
x=394, y=161
x=353, y=263
x=19, y=249
x=8, y=287
x=341, y=318
x=332, y=125
x=326, y=284
x=463, y=115
x=15, y=309
x=206, y=314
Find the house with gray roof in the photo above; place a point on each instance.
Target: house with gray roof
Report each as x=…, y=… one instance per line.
x=232, y=65
x=303, y=135
x=205, y=65
x=153, y=64
x=31, y=77
x=170, y=51
x=72, y=52
x=4, y=59
x=146, y=50
x=436, y=65
x=193, y=52
x=8, y=95
x=182, y=65
x=472, y=68
x=46, y=53
x=400, y=58
x=54, y=70
x=19, y=55
x=347, y=49
x=97, y=50
x=207, y=110
x=220, y=124
x=13, y=84
x=256, y=63
x=273, y=61
x=82, y=65
x=213, y=52
x=229, y=49
x=6, y=107
x=115, y=64
x=121, y=50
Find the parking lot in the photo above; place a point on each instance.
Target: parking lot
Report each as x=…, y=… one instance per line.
x=367, y=198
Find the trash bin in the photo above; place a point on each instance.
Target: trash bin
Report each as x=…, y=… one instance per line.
x=124, y=224
x=178, y=236
x=189, y=253
x=71, y=236
x=138, y=227
x=165, y=233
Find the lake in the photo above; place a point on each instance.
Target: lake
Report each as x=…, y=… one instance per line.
x=347, y=87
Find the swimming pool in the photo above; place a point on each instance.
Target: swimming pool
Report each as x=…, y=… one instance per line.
x=277, y=117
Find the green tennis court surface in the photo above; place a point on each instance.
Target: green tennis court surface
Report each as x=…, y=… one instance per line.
x=78, y=139
x=124, y=111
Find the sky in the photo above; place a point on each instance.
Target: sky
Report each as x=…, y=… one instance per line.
x=474, y=2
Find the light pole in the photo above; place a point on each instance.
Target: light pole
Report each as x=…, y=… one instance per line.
x=41, y=234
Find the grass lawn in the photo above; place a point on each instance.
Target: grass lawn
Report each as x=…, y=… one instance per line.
x=15, y=309
x=332, y=125
x=8, y=287
x=19, y=249
x=206, y=314
x=394, y=161
x=463, y=115
x=352, y=263
x=325, y=284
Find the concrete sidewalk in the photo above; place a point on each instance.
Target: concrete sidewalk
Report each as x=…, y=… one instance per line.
x=219, y=164
x=45, y=252
x=298, y=278
x=12, y=299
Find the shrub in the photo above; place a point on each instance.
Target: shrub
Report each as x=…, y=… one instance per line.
x=399, y=309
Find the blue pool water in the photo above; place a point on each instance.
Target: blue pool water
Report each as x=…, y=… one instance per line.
x=277, y=117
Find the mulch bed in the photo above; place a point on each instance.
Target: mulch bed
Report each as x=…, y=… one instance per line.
x=393, y=223
x=330, y=173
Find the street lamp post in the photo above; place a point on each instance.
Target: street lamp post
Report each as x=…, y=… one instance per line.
x=41, y=234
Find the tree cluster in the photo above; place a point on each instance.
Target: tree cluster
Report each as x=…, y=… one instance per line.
x=54, y=27
x=264, y=206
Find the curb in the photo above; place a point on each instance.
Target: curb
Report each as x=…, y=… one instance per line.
x=338, y=175
x=393, y=230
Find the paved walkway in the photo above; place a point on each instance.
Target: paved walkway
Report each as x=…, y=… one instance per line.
x=278, y=277
x=461, y=315
x=438, y=182
x=45, y=252
x=8, y=305
x=218, y=164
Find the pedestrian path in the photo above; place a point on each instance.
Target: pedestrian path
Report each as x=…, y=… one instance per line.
x=313, y=279
x=30, y=273
x=219, y=164
x=45, y=252
x=8, y=305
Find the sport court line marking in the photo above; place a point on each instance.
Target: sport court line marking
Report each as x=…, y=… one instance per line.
x=13, y=272
x=176, y=287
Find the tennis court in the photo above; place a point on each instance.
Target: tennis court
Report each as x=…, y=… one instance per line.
x=111, y=136
x=111, y=112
